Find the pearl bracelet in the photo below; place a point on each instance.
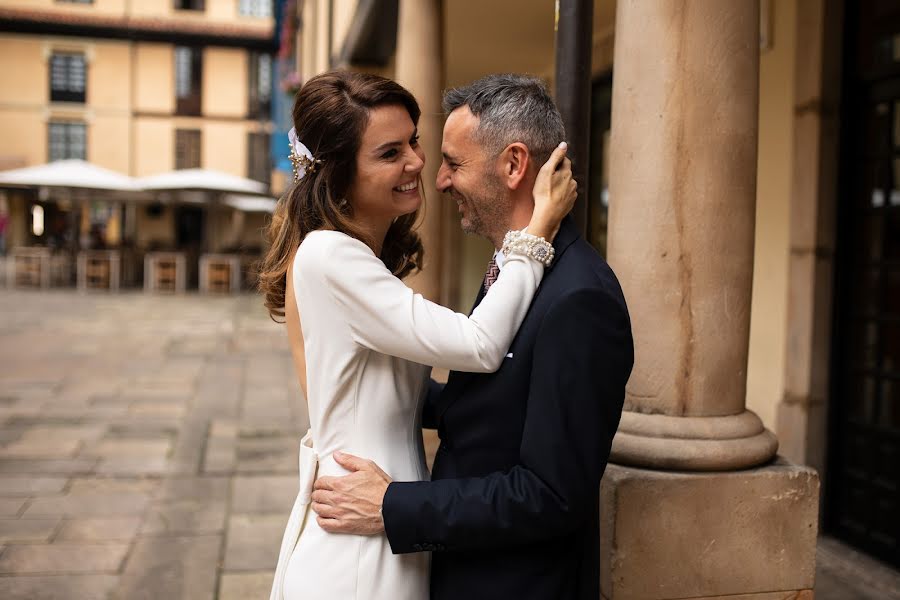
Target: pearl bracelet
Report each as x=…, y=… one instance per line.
x=530, y=245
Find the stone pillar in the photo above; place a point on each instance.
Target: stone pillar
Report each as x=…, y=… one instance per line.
x=681, y=230
x=323, y=37
x=306, y=40
x=419, y=68
x=681, y=223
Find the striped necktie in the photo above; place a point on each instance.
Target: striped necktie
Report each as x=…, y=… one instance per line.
x=493, y=271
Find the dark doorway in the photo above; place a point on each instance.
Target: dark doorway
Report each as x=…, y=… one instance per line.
x=863, y=494
x=190, y=227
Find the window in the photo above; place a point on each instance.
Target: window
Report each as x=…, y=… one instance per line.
x=260, y=85
x=188, y=4
x=66, y=140
x=259, y=166
x=67, y=77
x=255, y=8
x=188, y=79
x=187, y=148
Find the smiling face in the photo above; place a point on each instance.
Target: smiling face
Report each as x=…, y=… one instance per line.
x=388, y=165
x=469, y=175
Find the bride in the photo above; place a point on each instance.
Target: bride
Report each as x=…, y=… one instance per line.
x=363, y=343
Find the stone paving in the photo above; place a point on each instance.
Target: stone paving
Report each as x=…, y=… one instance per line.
x=148, y=450
x=147, y=446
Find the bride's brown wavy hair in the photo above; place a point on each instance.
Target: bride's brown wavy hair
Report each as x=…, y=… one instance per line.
x=331, y=112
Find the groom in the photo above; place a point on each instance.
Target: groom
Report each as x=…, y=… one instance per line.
x=512, y=509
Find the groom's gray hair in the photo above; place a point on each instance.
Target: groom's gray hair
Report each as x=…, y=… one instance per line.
x=511, y=108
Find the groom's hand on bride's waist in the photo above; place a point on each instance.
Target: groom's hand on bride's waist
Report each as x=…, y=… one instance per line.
x=351, y=503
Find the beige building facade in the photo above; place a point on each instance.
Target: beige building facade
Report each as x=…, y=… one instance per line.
x=807, y=366
x=140, y=88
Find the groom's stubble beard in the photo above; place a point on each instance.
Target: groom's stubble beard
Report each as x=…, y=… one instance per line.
x=488, y=209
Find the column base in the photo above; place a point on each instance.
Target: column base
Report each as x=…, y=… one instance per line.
x=693, y=443
x=746, y=534
x=790, y=595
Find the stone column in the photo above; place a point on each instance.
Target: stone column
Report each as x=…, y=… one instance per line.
x=323, y=37
x=306, y=40
x=681, y=230
x=681, y=226
x=419, y=68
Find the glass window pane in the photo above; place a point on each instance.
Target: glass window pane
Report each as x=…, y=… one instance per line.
x=67, y=74
x=890, y=404
x=255, y=8
x=182, y=72
x=894, y=199
x=77, y=142
x=58, y=72
x=897, y=123
x=865, y=291
x=876, y=184
x=57, y=141
x=869, y=233
x=890, y=348
x=76, y=73
x=258, y=166
x=861, y=399
x=892, y=235
x=864, y=344
x=265, y=77
x=877, y=136
x=891, y=303
x=885, y=50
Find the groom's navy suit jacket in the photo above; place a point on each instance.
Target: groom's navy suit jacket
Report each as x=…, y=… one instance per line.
x=512, y=510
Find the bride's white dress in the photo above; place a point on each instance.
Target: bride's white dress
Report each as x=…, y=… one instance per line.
x=367, y=338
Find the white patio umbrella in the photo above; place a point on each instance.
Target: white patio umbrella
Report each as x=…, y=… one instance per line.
x=251, y=203
x=72, y=173
x=201, y=179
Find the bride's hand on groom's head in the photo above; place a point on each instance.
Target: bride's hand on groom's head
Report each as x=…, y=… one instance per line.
x=351, y=503
x=554, y=192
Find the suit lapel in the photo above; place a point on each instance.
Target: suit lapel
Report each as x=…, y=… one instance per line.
x=458, y=380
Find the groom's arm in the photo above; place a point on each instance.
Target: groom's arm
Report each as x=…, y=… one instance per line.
x=582, y=359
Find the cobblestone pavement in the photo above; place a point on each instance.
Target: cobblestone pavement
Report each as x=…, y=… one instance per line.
x=148, y=450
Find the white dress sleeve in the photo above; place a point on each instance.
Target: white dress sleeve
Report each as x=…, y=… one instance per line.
x=386, y=316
